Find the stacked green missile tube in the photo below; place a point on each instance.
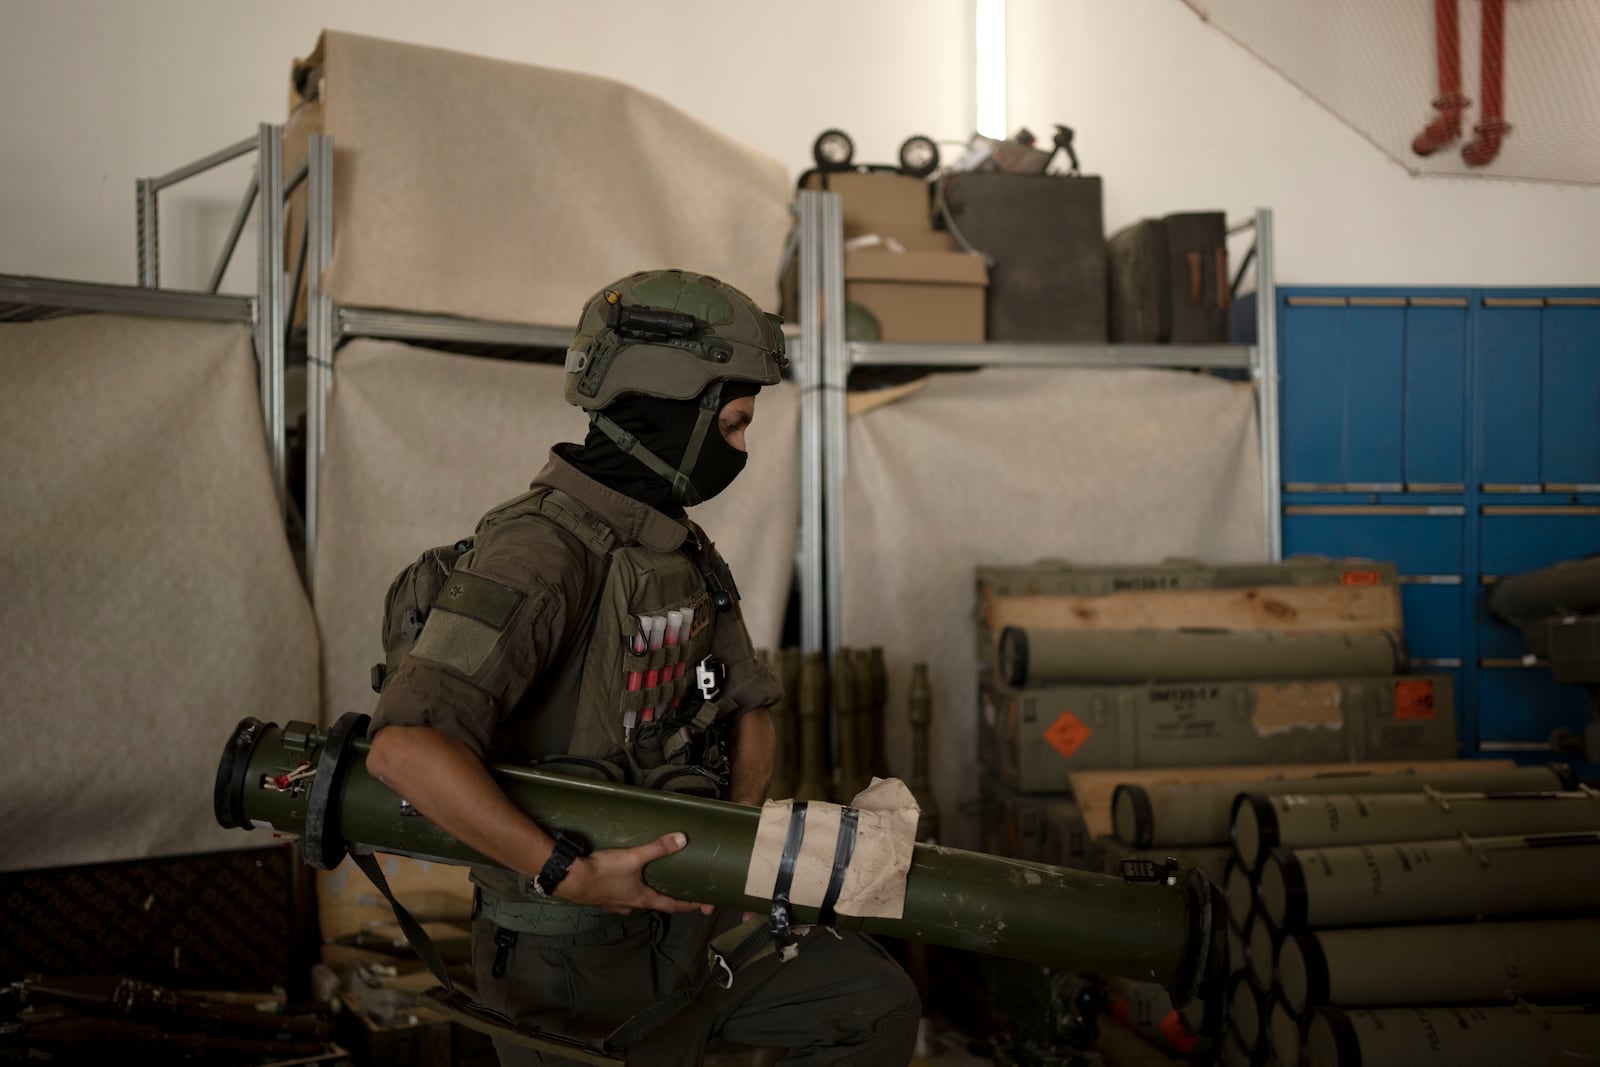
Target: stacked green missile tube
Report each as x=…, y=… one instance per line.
x=1154, y=931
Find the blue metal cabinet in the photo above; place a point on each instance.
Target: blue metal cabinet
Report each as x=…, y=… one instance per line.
x=1434, y=606
x=1434, y=424
x=1373, y=392
x=1524, y=704
x=1508, y=391
x=1539, y=386
x=1418, y=539
x=1457, y=433
x=1524, y=537
x=1311, y=368
x=1569, y=413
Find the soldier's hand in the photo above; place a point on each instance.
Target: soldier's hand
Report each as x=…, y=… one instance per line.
x=610, y=880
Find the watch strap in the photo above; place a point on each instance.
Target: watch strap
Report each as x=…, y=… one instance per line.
x=560, y=862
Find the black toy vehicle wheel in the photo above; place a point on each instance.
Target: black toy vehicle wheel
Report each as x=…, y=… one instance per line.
x=833, y=150
x=919, y=156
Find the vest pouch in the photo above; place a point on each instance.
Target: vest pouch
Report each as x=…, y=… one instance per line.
x=691, y=781
x=585, y=767
x=649, y=745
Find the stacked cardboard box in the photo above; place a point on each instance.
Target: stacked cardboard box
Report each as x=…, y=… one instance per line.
x=910, y=278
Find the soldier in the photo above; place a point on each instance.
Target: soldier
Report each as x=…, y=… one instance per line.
x=538, y=648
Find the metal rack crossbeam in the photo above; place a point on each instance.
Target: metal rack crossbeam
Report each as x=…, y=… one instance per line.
x=446, y=329
x=24, y=298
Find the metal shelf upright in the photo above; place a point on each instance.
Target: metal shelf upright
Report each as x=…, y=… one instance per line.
x=266, y=192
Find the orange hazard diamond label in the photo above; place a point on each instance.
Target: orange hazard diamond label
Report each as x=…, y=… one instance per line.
x=1413, y=699
x=1067, y=734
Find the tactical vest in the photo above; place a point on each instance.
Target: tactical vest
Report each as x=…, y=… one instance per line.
x=609, y=706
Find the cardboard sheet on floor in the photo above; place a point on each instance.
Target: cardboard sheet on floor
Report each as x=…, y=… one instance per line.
x=151, y=600
x=479, y=187
x=421, y=444
x=1014, y=465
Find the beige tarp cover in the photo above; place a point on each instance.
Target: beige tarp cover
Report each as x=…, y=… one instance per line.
x=1011, y=466
x=151, y=601
x=421, y=444
x=490, y=189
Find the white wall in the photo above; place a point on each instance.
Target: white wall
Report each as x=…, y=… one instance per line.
x=1168, y=111
x=100, y=92
x=1176, y=116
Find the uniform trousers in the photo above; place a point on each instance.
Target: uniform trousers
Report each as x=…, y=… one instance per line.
x=840, y=1000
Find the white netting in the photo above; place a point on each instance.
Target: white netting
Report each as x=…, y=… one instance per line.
x=1381, y=66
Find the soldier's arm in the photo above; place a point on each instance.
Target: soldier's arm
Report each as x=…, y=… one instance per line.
x=751, y=744
x=449, y=783
x=753, y=688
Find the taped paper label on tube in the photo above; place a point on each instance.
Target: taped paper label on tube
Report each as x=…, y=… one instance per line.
x=875, y=880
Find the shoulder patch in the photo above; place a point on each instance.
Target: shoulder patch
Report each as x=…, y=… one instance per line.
x=480, y=598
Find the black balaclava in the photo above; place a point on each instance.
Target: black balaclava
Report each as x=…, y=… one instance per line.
x=664, y=427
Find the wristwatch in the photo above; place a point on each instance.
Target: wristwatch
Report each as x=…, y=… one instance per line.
x=560, y=862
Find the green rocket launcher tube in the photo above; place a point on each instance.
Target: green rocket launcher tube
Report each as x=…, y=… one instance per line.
x=1155, y=929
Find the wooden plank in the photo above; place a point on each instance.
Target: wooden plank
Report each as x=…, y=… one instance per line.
x=1092, y=790
x=1342, y=608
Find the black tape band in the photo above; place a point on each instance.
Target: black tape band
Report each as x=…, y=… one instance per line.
x=849, y=819
x=780, y=891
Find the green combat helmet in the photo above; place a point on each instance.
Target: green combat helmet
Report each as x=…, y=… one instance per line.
x=674, y=335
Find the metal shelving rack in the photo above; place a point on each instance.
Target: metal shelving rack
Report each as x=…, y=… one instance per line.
x=823, y=362
x=826, y=361
x=27, y=299
x=271, y=310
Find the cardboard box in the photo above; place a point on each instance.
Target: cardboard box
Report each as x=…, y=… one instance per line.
x=887, y=204
x=919, y=296
x=1032, y=739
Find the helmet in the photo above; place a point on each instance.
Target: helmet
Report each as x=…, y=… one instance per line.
x=672, y=335
x=669, y=334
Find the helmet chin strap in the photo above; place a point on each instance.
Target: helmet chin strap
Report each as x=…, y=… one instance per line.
x=683, y=490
